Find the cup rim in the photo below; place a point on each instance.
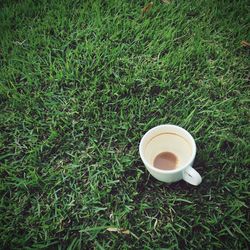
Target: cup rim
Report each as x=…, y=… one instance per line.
x=193, y=144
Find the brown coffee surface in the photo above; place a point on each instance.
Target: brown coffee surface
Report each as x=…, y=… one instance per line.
x=165, y=161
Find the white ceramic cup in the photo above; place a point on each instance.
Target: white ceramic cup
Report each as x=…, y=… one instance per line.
x=176, y=140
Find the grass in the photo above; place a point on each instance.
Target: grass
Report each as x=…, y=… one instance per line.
x=81, y=82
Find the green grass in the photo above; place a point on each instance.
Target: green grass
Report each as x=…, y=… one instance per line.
x=81, y=82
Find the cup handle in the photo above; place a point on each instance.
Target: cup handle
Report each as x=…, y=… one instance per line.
x=191, y=176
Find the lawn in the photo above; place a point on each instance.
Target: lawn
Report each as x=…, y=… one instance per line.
x=81, y=82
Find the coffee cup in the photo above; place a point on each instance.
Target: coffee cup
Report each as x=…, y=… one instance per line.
x=168, y=152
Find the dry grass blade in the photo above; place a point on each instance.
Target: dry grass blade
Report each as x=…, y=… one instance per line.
x=124, y=231
x=245, y=44
x=118, y=230
x=113, y=229
x=147, y=8
x=121, y=231
x=166, y=1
